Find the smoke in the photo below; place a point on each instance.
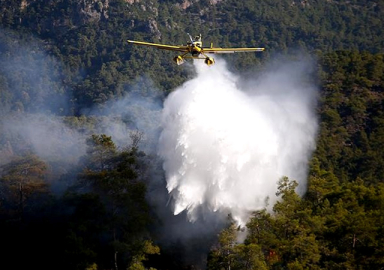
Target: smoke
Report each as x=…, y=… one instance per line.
x=47, y=136
x=35, y=100
x=139, y=112
x=31, y=76
x=225, y=143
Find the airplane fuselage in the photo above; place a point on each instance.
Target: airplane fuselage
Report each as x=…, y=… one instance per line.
x=195, y=51
x=195, y=48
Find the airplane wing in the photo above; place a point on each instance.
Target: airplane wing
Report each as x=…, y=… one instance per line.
x=231, y=50
x=160, y=46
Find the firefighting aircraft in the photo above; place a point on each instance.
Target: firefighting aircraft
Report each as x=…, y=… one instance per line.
x=195, y=50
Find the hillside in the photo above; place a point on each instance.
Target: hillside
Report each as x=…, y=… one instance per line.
x=79, y=123
x=89, y=37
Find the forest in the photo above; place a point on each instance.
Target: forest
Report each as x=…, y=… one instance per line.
x=79, y=114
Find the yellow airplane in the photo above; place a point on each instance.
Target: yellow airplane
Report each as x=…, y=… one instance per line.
x=195, y=49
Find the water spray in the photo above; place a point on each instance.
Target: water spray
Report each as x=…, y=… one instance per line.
x=224, y=149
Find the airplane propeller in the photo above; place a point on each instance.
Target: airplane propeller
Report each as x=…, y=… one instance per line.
x=190, y=37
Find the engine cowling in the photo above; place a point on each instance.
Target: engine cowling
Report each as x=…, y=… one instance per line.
x=209, y=61
x=178, y=60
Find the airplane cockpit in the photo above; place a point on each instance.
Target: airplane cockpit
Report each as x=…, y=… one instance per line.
x=198, y=41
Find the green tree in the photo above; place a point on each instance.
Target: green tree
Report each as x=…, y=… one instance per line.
x=222, y=254
x=248, y=257
x=101, y=151
x=115, y=177
x=147, y=248
x=295, y=227
x=22, y=183
x=288, y=235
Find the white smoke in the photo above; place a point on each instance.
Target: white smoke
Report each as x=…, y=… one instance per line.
x=225, y=148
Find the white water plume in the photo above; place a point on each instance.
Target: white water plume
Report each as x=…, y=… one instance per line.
x=224, y=148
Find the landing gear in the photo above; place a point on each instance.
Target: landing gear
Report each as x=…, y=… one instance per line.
x=179, y=60
x=209, y=61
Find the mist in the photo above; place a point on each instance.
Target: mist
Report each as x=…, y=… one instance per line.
x=226, y=142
